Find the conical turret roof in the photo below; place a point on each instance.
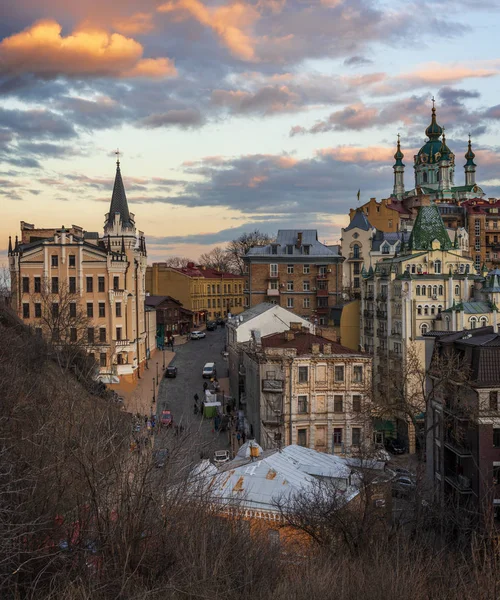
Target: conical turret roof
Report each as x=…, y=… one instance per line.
x=399, y=156
x=470, y=156
x=429, y=227
x=119, y=202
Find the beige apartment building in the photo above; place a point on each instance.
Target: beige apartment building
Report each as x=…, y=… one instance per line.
x=81, y=287
x=301, y=388
x=206, y=292
x=296, y=272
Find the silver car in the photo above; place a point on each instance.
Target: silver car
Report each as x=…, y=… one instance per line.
x=198, y=335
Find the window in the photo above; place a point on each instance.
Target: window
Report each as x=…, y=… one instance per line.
x=356, y=282
x=90, y=285
x=322, y=271
x=90, y=335
x=321, y=373
x=496, y=437
x=356, y=268
x=289, y=286
x=356, y=404
x=100, y=284
x=302, y=404
x=38, y=310
x=337, y=436
x=118, y=308
x=339, y=373
x=102, y=359
x=385, y=249
x=273, y=271
x=38, y=285
x=102, y=309
x=72, y=310
x=355, y=251
x=72, y=260
x=306, y=302
x=496, y=476
x=55, y=285
x=441, y=290
x=305, y=249
x=102, y=334
x=356, y=436
x=209, y=303
x=358, y=374
x=72, y=334
x=306, y=286
x=338, y=404
x=494, y=400
x=54, y=260
x=457, y=290
x=26, y=285
x=289, y=302
x=55, y=310
x=118, y=334
x=274, y=249
x=302, y=437
x=306, y=269
x=289, y=269
x=424, y=328
x=26, y=310
x=437, y=267
x=418, y=290
x=303, y=374
x=119, y=359
x=473, y=322
x=289, y=249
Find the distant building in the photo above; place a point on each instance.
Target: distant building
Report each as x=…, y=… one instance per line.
x=296, y=272
x=300, y=388
x=171, y=317
x=206, y=292
x=483, y=223
x=463, y=421
x=101, y=276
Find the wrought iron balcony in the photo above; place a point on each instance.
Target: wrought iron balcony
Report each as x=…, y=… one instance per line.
x=381, y=314
x=272, y=385
x=321, y=292
x=460, y=482
x=368, y=314
x=273, y=292
x=457, y=444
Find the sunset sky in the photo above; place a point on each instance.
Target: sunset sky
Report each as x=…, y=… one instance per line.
x=231, y=116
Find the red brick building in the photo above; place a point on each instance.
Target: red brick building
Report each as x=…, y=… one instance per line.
x=483, y=224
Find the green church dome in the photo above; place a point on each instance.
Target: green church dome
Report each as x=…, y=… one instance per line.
x=434, y=131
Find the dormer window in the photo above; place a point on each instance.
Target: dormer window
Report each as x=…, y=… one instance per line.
x=305, y=249
x=289, y=249
x=385, y=249
x=274, y=249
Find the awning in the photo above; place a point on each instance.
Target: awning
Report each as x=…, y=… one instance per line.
x=109, y=379
x=382, y=425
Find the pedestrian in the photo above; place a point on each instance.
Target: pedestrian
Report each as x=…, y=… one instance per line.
x=243, y=436
x=145, y=419
x=238, y=437
x=205, y=386
x=196, y=398
x=195, y=408
x=202, y=408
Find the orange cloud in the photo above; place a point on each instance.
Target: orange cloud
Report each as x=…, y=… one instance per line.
x=42, y=50
x=353, y=154
x=138, y=23
x=444, y=74
x=227, y=22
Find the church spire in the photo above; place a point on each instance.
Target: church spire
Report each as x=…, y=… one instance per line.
x=119, y=204
x=399, y=169
x=434, y=131
x=470, y=165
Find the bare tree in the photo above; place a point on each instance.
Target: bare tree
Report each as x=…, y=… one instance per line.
x=177, y=261
x=241, y=245
x=218, y=258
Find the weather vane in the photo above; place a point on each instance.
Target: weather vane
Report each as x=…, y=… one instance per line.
x=117, y=152
x=433, y=101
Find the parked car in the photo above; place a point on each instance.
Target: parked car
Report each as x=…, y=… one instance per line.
x=403, y=487
x=400, y=472
x=198, y=335
x=160, y=457
x=209, y=370
x=211, y=326
x=221, y=457
x=171, y=371
x=395, y=446
x=166, y=418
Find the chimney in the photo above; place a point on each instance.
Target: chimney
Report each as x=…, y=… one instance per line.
x=295, y=326
x=289, y=335
x=299, y=239
x=315, y=348
x=327, y=348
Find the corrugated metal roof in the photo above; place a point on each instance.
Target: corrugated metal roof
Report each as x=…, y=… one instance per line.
x=289, y=237
x=476, y=308
x=252, y=312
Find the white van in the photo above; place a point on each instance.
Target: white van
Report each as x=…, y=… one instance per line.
x=209, y=371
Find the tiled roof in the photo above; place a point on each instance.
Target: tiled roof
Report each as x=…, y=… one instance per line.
x=157, y=300
x=205, y=272
x=391, y=237
x=119, y=202
x=428, y=227
x=303, y=342
x=359, y=221
x=289, y=238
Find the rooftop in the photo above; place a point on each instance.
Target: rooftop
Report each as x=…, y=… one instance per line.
x=303, y=341
x=295, y=242
x=192, y=270
x=157, y=300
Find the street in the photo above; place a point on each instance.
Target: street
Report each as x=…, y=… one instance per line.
x=177, y=395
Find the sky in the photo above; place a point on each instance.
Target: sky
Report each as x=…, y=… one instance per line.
x=231, y=116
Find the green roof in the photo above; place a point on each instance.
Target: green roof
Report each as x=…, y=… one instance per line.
x=428, y=228
x=472, y=308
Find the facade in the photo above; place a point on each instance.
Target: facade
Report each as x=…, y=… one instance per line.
x=483, y=222
x=206, y=292
x=81, y=287
x=171, y=317
x=303, y=389
x=463, y=448
x=260, y=320
x=296, y=272
x=387, y=215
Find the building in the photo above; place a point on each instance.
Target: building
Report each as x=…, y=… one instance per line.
x=171, y=317
x=296, y=272
x=303, y=389
x=387, y=215
x=483, y=223
x=206, y=292
x=80, y=287
x=402, y=299
x=260, y=320
x=463, y=447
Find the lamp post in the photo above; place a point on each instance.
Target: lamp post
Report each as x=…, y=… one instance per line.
x=154, y=391
x=157, y=378
x=163, y=357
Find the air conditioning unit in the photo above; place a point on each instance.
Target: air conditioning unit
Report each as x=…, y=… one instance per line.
x=313, y=289
x=434, y=297
x=328, y=270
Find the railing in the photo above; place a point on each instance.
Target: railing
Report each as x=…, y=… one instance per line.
x=368, y=331
x=321, y=276
x=457, y=444
x=382, y=297
x=381, y=332
x=381, y=314
x=370, y=296
x=272, y=385
x=395, y=355
x=322, y=310
x=122, y=342
x=320, y=292
x=395, y=333
x=273, y=275
x=368, y=314
x=273, y=292
x=460, y=482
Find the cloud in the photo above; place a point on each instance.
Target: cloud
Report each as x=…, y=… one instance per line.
x=266, y=100
x=36, y=123
x=453, y=96
x=228, y=22
x=183, y=118
x=356, y=61
x=135, y=24
x=87, y=52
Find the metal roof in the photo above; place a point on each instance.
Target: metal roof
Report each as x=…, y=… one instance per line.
x=359, y=221
x=289, y=237
x=251, y=313
x=119, y=202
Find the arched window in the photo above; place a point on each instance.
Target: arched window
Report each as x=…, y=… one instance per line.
x=419, y=309
x=424, y=328
x=467, y=268
x=429, y=291
x=484, y=321
x=447, y=322
x=437, y=267
x=426, y=309
x=424, y=177
x=434, y=290
x=433, y=310
x=440, y=308
x=441, y=290
x=473, y=322
x=457, y=290
x=418, y=290
x=355, y=251
x=413, y=268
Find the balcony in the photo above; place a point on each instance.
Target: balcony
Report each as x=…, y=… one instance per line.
x=382, y=297
x=381, y=333
x=368, y=331
x=458, y=445
x=396, y=334
x=322, y=276
x=120, y=343
x=368, y=314
x=381, y=314
x=369, y=296
x=461, y=483
x=273, y=276
x=395, y=355
x=273, y=385
x=321, y=293
x=273, y=292
x=322, y=310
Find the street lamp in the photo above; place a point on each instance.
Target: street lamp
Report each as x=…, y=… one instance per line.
x=154, y=391
x=157, y=378
x=163, y=357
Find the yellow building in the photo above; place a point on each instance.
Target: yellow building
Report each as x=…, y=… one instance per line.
x=208, y=293
x=78, y=287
